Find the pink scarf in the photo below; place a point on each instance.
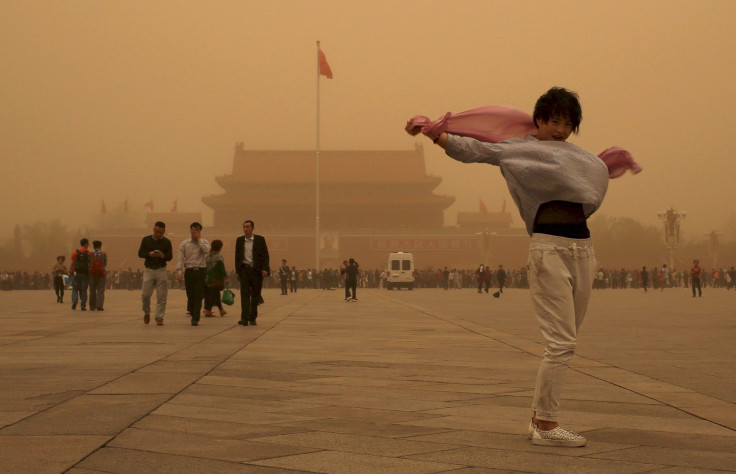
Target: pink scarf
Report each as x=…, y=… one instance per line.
x=496, y=123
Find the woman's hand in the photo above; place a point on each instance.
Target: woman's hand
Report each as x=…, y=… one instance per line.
x=412, y=130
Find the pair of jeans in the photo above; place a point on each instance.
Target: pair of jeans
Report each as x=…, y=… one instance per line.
x=96, y=292
x=79, y=289
x=561, y=274
x=158, y=279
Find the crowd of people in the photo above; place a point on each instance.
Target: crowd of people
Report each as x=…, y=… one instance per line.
x=330, y=278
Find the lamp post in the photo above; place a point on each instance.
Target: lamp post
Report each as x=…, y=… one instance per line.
x=671, y=220
x=714, y=245
x=487, y=244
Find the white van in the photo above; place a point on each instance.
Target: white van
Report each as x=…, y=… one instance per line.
x=400, y=270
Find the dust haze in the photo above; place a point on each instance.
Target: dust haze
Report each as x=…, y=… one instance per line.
x=144, y=101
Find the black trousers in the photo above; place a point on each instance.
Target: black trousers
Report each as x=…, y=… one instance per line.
x=696, y=284
x=194, y=282
x=351, y=285
x=284, y=283
x=501, y=284
x=251, y=282
x=212, y=298
x=59, y=286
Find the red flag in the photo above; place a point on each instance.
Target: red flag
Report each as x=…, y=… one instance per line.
x=149, y=204
x=104, y=209
x=324, y=68
x=125, y=205
x=483, y=207
x=176, y=204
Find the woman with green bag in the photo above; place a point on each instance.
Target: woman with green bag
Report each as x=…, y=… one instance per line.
x=216, y=275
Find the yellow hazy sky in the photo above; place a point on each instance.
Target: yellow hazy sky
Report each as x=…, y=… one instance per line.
x=146, y=99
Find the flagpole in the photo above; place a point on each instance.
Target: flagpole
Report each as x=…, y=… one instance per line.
x=316, y=231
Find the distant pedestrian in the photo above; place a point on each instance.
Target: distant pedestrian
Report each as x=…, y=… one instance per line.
x=696, y=273
x=215, y=280
x=480, y=276
x=665, y=277
x=351, y=277
x=80, y=270
x=344, y=275
x=97, y=272
x=292, y=280
x=284, y=272
x=59, y=271
x=501, y=278
x=644, y=278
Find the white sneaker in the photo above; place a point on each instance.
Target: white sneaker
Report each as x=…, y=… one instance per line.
x=558, y=437
x=530, y=431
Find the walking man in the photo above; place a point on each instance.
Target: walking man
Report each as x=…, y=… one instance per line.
x=284, y=276
x=351, y=278
x=80, y=270
x=644, y=278
x=156, y=250
x=192, y=267
x=696, y=273
x=97, y=272
x=501, y=277
x=252, y=266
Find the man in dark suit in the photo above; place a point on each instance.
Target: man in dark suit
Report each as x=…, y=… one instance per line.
x=252, y=265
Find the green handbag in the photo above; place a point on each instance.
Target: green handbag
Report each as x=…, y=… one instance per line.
x=228, y=297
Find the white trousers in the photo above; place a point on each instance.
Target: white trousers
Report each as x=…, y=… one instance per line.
x=159, y=280
x=561, y=274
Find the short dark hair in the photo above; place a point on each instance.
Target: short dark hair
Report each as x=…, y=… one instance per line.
x=252, y=224
x=216, y=245
x=197, y=225
x=96, y=244
x=84, y=242
x=561, y=102
x=159, y=224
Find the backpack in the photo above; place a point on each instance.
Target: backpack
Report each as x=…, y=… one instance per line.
x=81, y=263
x=97, y=267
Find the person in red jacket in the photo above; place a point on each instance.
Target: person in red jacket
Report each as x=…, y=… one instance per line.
x=696, y=273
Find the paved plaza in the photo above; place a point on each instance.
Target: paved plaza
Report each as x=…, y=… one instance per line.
x=399, y=382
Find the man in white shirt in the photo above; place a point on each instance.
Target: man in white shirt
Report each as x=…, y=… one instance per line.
x=192, y=266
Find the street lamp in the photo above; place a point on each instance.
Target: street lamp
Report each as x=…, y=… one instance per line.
x=714, y=245
x=671, y=220
x=487, y=244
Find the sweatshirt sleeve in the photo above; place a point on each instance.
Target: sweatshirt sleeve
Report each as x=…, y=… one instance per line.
x=470, y=150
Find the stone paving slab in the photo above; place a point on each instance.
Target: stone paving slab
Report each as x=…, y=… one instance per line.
x=420, y=381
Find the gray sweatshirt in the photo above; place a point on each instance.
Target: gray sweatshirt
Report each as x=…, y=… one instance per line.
x=538, y=171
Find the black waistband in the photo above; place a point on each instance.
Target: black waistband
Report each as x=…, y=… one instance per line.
x=563, y=219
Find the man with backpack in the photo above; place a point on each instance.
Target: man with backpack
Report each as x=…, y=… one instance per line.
x=97, y=272
x=80, y=274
